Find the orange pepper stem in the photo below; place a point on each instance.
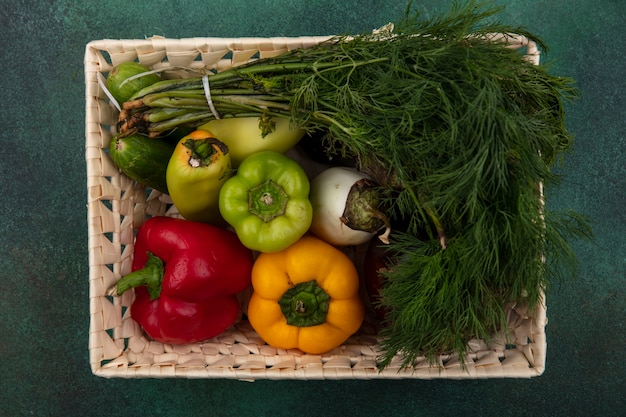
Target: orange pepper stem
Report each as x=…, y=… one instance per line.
x=203, y=150
x=305, y=304
x=150, y=276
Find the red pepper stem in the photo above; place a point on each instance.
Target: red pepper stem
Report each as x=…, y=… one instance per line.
x=150, y=276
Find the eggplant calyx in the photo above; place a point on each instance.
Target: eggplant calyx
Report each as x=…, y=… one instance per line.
x=362, y=212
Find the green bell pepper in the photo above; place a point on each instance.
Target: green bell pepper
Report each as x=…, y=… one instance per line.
x=267, y=202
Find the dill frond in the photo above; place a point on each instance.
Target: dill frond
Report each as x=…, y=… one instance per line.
x=459, y=130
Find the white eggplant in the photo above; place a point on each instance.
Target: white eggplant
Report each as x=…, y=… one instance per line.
x=345, y=207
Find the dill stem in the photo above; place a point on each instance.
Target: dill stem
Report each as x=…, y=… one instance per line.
x=195, y=117
x=430, y=212
x=352, y=64
x=162, y=114
x=177, y=103
x=290, y=67
x=253, y=102
x=330, y=121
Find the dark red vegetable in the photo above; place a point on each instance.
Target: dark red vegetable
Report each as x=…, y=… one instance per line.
x=376, y=260
x=186, y=277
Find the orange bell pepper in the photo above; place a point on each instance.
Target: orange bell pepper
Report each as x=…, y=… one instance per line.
x=305, y=297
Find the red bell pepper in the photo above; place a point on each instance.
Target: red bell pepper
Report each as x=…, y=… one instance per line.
x=186, y=276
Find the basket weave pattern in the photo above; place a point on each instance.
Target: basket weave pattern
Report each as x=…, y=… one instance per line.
x=117, y=207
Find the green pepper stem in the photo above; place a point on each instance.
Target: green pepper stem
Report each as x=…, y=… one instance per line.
x=150, y=276
x=267, y=200
x=305, y=304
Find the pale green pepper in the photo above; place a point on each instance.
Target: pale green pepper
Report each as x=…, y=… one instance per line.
x=198, y=168
x=244, y=136
x=267, y=202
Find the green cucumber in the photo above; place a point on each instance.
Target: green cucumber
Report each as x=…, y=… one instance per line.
x=142, y=159
x=121, y=89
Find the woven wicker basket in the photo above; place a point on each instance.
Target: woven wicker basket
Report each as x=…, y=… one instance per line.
x=117, y=207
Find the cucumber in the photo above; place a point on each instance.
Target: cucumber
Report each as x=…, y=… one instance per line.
x=142, y=159
x=122, y=90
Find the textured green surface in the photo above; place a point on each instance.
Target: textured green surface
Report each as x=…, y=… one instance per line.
x=44, y=308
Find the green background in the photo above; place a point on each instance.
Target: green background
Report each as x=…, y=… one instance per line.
x=44, y=307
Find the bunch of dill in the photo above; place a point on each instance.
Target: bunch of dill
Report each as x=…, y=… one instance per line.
x=462, y=133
